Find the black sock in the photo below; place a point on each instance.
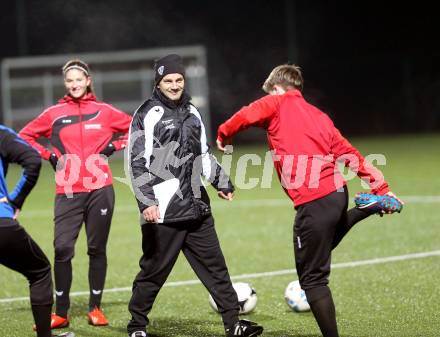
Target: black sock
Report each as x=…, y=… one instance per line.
x=63, y=282
x=97, y=273
x=41, y=315
x=323, y=308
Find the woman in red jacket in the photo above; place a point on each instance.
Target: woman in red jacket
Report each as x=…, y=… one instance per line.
x=81, y=132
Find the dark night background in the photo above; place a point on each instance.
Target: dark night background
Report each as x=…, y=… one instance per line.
x=371, y=65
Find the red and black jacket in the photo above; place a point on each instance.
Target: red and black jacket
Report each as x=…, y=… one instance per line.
x=78, y=130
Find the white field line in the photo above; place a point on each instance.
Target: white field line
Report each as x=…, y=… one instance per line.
x=124, y=208
x=351, y=264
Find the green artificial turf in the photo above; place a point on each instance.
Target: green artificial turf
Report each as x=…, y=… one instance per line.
x=382, y=298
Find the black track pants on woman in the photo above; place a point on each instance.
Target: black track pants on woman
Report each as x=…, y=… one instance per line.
x=161, y=245
x=95, y=209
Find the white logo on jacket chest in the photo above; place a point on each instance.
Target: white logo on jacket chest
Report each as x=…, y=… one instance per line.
x=169, y=124
x=92, y=126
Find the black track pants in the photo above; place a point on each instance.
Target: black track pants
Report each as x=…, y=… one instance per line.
x=161, y=245
x=19, y=252
x=95, y=209
x=319, y=227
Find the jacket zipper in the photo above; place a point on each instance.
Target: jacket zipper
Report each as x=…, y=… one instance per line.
x=81, y=137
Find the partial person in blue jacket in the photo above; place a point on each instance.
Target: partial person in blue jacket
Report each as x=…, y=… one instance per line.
x=18, y=251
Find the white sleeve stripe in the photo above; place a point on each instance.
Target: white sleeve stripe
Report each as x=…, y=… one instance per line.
x=152, y=117
x=129, y=141
x=129, y=150
x=203, y=140
x=111, y=107
x=206, y=160
x=206, y=165
x=130, y=136
x=52, y=108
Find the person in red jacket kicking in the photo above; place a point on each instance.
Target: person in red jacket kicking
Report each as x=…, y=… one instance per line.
x=305, y=147
x=82, y=132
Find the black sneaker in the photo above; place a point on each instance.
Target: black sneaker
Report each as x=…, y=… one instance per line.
x=244, y=328
x=138, y=334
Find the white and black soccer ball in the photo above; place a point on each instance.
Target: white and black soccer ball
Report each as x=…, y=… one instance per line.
x=247, y=297
x=296, y=297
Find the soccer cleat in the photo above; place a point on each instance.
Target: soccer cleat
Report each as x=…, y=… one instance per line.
x=138, y=334
x=377, y=203
x=96, y=317
x=65, y=334
x=58, y=322
x=244, y=328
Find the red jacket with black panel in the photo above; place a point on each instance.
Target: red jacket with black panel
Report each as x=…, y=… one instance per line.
x=78, y=130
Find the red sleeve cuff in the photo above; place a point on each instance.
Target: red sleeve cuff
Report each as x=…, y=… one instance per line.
x=384, y=189
x=45, y=155
x=119, y=144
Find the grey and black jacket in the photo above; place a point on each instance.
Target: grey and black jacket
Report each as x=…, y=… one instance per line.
x=169, y=155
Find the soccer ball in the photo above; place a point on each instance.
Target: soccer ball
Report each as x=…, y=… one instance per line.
x=296, y=297
x=247, y=297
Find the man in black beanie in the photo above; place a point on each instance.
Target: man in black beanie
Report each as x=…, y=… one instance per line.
x=170, y=64
x=168, y=155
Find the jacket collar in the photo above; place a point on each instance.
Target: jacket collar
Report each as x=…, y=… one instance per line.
x=184, y=100
x=294, y=92
x=69, y=99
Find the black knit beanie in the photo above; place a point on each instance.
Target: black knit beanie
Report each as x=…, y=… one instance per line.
x=170, y=64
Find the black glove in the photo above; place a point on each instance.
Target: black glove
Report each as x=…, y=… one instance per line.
x=229, y=189
x=226, y=190
x=108, y=150
x=53, y=160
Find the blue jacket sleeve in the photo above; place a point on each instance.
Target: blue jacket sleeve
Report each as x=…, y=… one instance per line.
x=13, y=149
